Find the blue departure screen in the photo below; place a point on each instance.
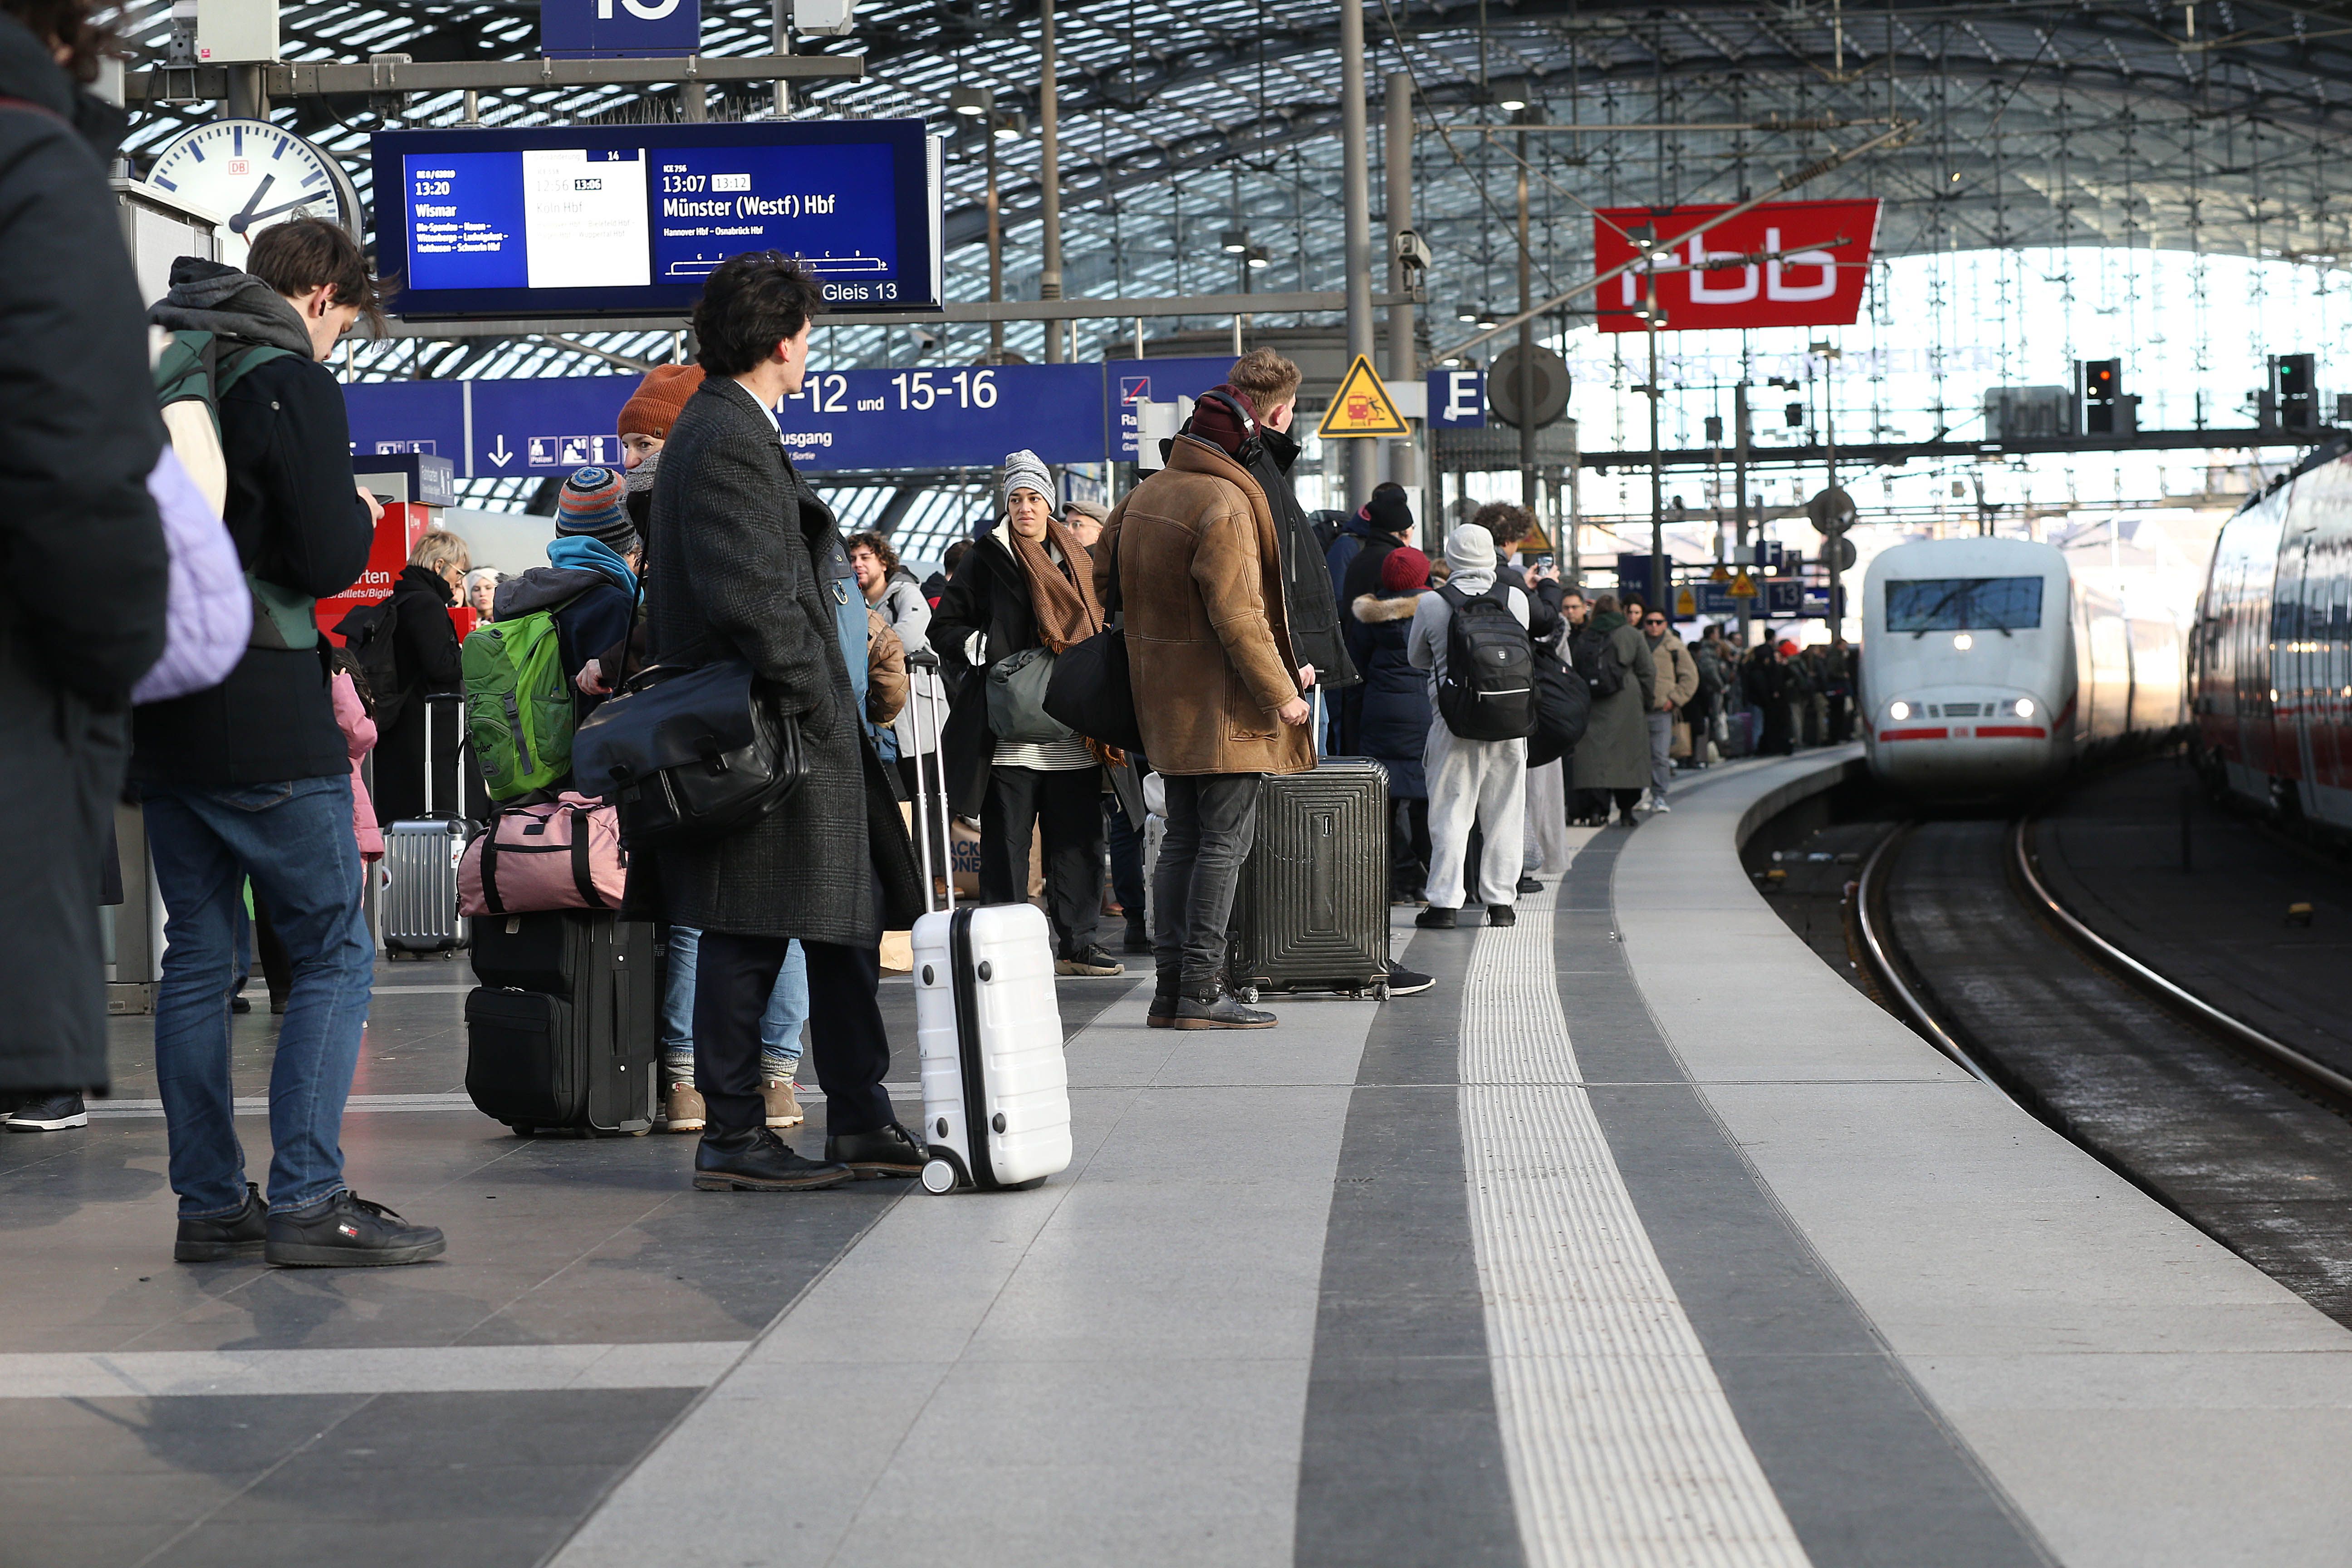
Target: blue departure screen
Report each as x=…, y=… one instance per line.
x=597, y=219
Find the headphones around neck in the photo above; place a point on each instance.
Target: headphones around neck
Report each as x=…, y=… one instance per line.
x=1252, y=444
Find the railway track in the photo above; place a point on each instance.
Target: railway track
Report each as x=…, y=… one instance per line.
x=2241, y=1133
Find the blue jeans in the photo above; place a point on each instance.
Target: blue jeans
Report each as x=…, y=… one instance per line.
x=780, y=1027
x=294, y=840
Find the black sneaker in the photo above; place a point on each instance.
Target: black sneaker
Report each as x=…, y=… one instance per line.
x=1090, y=959
x=240, y=1004
x=49, y=1114
x=1529, y=885
x=887, y=1150
x=1216, y=1009
x=216, y=1238
x=756, y=1160
x=1434, y=918
x=1138, y=937
x=348, y=1232
x=1403, y=982
x=1502, y=915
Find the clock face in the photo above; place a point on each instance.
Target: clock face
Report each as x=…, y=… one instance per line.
x=253, y=174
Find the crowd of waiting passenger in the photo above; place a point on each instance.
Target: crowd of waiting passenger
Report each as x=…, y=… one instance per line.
x=183, y=673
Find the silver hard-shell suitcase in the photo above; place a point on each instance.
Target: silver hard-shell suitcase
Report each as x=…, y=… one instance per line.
x=420, y=863
x=996, y=1096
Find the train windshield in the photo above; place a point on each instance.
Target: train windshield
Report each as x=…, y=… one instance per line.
x=1964, y=604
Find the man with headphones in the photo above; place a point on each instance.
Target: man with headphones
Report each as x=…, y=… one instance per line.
x=1193, y=560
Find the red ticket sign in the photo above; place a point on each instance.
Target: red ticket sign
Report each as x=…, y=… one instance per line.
x=1784, y=264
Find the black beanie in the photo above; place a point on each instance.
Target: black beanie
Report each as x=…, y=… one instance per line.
x=1387, y=511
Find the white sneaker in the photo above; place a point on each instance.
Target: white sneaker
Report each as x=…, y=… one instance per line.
x=1658, y=806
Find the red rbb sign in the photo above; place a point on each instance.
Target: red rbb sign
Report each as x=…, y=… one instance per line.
x=1820, y=260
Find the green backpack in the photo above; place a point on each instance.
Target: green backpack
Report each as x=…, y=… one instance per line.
x=519, y=706
x=194, y=373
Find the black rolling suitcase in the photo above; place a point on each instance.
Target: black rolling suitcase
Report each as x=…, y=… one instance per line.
x=561, y=1035
x=1311, y=912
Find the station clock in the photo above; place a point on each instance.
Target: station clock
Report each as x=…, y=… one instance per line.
x=254, y=173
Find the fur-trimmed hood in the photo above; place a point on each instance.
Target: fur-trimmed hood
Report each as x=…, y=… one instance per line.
x=1374, y=608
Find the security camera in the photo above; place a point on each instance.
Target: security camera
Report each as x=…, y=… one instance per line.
x=926, y=340
x=1411, y=252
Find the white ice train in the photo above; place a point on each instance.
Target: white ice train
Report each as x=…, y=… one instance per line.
x=1986, y=669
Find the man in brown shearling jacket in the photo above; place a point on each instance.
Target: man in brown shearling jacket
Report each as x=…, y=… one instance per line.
x=1217, y=688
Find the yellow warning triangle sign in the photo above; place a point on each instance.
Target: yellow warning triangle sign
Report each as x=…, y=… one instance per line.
x=1361, y=407
x=1742, y=587
x=1534, y=540
x=1686, y=603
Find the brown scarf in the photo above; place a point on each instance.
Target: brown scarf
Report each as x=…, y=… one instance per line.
x=1061, y=598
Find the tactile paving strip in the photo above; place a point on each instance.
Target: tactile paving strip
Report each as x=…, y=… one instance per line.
x=1621, y=1446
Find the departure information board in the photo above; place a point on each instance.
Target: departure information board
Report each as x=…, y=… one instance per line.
x=629, y=220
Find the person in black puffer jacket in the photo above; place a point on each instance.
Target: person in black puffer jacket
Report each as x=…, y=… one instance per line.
x=1395, y=721
x=82, y=611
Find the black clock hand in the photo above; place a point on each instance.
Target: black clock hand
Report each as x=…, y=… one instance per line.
x=238, y=224
x=249, y=217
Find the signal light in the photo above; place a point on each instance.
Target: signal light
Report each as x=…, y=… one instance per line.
x=2293, y=379
x=2102, y=385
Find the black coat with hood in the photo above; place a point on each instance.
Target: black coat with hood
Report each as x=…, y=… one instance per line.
x=988, y=598
x=81, y=603
x=1308, y=602
x=426, y=658
x=1394, y=725
x=298, y=520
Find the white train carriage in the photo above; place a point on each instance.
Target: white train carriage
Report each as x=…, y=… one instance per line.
x=1985, y=668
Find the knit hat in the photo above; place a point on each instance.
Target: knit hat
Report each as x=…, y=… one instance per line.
x=1387, y=511
x=1025, y=470
x=1214, y=423
x=1404, y=568
x=658, y=400
x=593, y=502
x=1470, y=548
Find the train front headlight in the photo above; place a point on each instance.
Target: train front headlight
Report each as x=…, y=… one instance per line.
x=2024, y=706
x=1898, y=711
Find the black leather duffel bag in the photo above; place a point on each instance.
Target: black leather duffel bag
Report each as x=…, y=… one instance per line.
x=1563, y=707
x=689, y=753
x=1092, y=693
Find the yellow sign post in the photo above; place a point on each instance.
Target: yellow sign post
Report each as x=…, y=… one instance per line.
x=1361, y=407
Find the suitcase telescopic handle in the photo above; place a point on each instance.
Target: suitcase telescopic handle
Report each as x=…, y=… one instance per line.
x=930, y=696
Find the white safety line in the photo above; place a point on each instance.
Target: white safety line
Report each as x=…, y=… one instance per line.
x=1621, y=1447
x=424, y=1368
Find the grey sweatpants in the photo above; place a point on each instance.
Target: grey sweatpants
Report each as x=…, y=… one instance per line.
x=1662, y=746
x=1485, y=782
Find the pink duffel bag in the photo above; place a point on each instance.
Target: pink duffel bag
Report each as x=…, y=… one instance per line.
x=565, y=854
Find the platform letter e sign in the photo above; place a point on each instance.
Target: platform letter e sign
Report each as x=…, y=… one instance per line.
x=637, y=8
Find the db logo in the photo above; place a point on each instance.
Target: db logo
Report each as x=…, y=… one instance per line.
x=240, y=165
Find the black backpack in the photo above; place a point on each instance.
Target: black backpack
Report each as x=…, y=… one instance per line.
x=1563, y=709
x=1592, y=658
x=367, y=634
x=1488, y=691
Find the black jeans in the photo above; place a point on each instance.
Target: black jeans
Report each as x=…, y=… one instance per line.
x=1070, y=803
x=1212, y=817
x=1126, y=859
x=732, y=978
x=1408, y=847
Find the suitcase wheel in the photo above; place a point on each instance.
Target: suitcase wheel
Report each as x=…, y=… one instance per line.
x=1248, y=994
x=938, y=1176
x=1380, y=990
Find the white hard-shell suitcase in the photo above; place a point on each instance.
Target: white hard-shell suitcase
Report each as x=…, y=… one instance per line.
x=996, y=1095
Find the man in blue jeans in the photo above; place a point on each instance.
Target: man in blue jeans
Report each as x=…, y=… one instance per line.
x=250, y=779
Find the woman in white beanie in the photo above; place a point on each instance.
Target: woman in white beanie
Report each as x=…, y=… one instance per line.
x=1027, y=583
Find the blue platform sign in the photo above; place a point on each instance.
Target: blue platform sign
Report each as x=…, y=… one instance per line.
x=1128, y=381
x=619, y=29
x=964, y=416
x=1457, y=399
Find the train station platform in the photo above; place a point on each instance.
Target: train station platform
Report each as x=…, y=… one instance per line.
x=1641, y=1238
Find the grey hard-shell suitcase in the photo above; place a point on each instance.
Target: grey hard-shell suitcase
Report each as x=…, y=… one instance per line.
x=563, y=1033
x=420, y=865
x=1311, y=912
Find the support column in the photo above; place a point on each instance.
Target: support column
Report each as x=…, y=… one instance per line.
x=1526, y=376
x=248, y=93
x=1405, y=366
x=995, y=247
x=780, y=41
x=1364, y=455
x=1049, y=169
x=1745, y=556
